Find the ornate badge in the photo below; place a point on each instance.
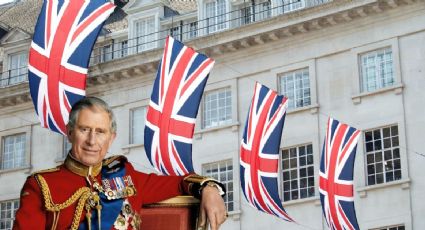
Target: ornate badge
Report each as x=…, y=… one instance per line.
x=118, y=187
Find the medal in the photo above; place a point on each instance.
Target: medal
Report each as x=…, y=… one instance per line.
x=118, y=187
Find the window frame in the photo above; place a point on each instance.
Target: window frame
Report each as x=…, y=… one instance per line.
x=311, y=65
x=298, y=172
x=131, y=123
x=390, y=227
x=22, y=130
x=356, y=82
x=203, y=15
x=220, y=123
x=3, y=146
x=293, y=74
x=192, y=30
x=13, y=209
x=382, y=151
x=9, y=79
x=279, y=8
x=149, y=39
x=107, y=52
x=132, y=32
x=119, y=49
x=377, y=79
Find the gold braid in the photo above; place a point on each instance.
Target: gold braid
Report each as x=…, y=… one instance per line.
x=82, y=194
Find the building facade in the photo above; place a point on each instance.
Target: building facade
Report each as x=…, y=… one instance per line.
x=359, y=61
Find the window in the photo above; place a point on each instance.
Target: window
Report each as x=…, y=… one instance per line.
x=382, y=155
x=296, y=86
x=298, y=172
x=215, y=12
x=376, y=70
x=193, y=30
x=18, y=68
x=107, y=53
x=7, y=213
x=246, y=15
x=291, y=5
x=262, y=11
x=137, y=125
x=120, y=49
x=145, y=33
x=13, y=152
x=399, y=227
x=117, y=49
x=223, y=172
x=175, y=32
x=217, y=108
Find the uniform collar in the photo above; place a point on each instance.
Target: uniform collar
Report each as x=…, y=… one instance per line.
x=78, y=168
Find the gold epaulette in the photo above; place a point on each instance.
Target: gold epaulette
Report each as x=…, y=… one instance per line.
x=82, y=194
x=119, y=158
x=55, y=169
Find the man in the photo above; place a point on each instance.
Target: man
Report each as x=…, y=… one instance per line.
x=90, y=192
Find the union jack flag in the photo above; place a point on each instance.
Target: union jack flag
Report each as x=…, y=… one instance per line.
x=259, y=153
x=59, y=55
x=336, y=176
x=170, y=121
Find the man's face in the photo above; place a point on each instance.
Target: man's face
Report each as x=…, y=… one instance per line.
x=91, y=136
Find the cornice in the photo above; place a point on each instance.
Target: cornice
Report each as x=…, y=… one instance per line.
x=280, y=27
x=286, y=26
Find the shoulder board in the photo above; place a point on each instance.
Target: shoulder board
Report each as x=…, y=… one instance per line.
x=114, y=160
x=55, y=169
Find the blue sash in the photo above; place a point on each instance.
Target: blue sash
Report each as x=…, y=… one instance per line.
x=110, y=208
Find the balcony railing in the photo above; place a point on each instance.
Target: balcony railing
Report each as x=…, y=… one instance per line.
x=187, y=31
x=183, y=32
x=13, y=77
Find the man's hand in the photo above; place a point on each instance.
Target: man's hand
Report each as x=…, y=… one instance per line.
x=212, y=207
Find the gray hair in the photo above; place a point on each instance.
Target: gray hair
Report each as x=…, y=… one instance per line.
x=91, y=102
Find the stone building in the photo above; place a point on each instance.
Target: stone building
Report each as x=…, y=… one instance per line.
x=359, y=61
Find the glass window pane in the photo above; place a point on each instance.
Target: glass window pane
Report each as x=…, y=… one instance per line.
x=295, y=85
x=137, y=123
x=13, y=152
x=217, y=108
x=376, y=69
x=301, y=175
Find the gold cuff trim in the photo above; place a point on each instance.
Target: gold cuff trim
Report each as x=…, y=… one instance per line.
x=198, y=179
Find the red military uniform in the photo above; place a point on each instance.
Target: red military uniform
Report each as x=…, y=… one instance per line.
x=66, y=196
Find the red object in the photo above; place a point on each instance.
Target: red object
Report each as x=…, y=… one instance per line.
x=179, y=213
x=63, y=184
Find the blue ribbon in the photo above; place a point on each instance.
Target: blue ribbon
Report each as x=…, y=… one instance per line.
x=110, y=208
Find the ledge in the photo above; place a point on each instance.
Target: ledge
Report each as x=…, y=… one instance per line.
x=313, y=199
x=235, y=215
x=234, y=127
x=313, y=109
x=397, y=88
x=131, y=146
x=28, y=168
x=403, y=184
